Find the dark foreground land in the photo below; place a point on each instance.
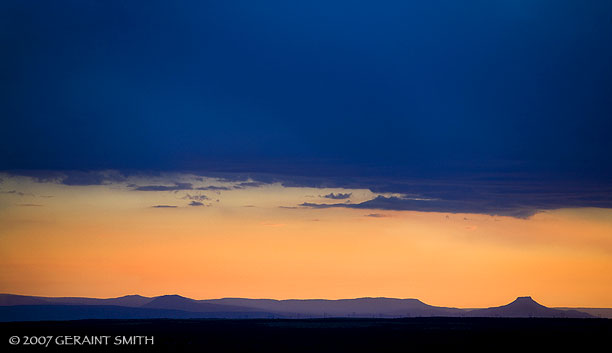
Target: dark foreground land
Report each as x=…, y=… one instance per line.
x=314, y=335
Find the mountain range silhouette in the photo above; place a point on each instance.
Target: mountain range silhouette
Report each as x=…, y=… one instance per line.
x=30, y=308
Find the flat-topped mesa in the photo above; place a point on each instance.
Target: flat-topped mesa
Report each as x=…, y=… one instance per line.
x=172, y=297
x=525, y=307
x=525, y=301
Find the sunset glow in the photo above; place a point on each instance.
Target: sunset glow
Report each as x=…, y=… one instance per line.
x=108, y=240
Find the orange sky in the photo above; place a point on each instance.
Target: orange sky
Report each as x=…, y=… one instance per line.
x=107, y=240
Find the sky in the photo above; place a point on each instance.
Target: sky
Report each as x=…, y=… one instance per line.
x=455, y=152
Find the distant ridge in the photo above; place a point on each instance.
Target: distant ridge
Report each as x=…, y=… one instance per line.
x=127, y=300
x=595, y=312
x=177, y=302
x=25, y=308
x=359, y=307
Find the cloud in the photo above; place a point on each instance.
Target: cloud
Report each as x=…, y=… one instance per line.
x=19, y=193
x=213, y=188
x=249, y=184
x=29, y=205
x=92, y=177
x=338, y=196
x=196, y=203
x=39, y=176
x=196, y=197
x=320, y=205
x=394, y=203
x=164, y=206
x=72, y=177
x=376, y=215
x=175, y=187
x=505, y=194
x=516, y=196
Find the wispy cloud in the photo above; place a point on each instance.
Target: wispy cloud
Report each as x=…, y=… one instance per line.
x=249, y=184
x=498, y=194
x=15, y=192
x=164, y=206
x=376, y=215
x=212, y=188
x=394, y=203
x=73, y=177
x=92, y=177
x=175, y=187
x=196, y=197
x=338, y=196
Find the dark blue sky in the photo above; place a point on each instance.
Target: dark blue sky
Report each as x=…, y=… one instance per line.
x=394, y=90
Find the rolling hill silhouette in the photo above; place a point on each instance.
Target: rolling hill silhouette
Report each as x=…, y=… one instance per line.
x=27, y=308
x=177, y=302
x=127, y=300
